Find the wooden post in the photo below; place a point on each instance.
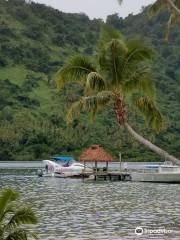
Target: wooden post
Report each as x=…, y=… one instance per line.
x=84, y=171
x=96, y=165
x=110, y=178
x=107, y=166
x=95, y=170
x=120, y=161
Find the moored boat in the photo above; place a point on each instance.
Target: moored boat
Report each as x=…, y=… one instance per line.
x=49, y=167
x=73, y=170
x=62, y=166
x=158, y=173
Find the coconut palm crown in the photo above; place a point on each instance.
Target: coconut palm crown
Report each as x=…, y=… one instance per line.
x=13, y=219
x=120, y=75
x=121, y=70
x=161, y=5
x=173, y=6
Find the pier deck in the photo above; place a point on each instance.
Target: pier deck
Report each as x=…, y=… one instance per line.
x=110, y=175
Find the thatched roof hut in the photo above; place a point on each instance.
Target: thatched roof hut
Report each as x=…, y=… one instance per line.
x=95, y=153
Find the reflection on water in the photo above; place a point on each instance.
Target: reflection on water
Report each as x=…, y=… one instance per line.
x=70, y=209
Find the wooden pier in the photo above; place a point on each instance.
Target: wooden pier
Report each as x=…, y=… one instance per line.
x=96, y=154
x=107, y=176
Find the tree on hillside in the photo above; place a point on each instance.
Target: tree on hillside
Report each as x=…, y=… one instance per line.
x=173, y=6
x=13, y=219
x=120, y=76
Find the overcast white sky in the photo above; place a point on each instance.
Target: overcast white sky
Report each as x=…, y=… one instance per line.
x=97, y=8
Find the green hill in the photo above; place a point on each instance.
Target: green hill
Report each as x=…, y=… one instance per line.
x=35, y=41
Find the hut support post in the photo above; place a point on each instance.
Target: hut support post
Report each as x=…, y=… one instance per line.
x=95, y=170
x=107, y=166
x=120, y=161
x=84, y=171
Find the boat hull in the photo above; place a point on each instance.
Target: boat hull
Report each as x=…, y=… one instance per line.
x=52, y=169
x=67, y=175
x=45, y=174
x=156, y=177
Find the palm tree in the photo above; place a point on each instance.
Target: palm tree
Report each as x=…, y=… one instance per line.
x=173, y=6
x=120, y=76
x=13, y=217
x=161, y=5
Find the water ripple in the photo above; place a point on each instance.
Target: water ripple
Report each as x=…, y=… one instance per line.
x=73, y=210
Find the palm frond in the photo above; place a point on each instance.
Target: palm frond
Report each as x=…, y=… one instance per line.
x=173, y=20
x=1, y=231
x=24, y=215
x=74, y=111
x=148, y=108
x=138, y=51
x=107, y=33
x=10, y=209
x=111, y=61
x=89, y=104
x=95, y=82
x=173, y=6
x=140, y=81
x=168, y=28
x=75, y=70
x=7, y=196
x=177, y=3
x=157, y=7
x=21, y=234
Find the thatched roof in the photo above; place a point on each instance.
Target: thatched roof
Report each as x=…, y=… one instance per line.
x=95, y=153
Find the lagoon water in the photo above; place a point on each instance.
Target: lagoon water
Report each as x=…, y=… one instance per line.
x=73, y=210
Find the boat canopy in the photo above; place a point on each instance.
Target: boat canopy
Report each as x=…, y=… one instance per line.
x=63, y=158
x=152, y=166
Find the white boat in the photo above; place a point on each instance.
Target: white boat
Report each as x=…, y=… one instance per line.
x=158, y=173
x=73, y=170
x=61, y=169
x=49, y=167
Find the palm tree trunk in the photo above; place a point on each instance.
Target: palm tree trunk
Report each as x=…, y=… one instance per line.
x=176, y=9
x=151, y=146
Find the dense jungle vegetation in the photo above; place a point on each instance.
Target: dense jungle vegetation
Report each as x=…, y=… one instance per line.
x=35, y=41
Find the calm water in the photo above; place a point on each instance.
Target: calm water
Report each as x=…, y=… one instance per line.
x=73, y=210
